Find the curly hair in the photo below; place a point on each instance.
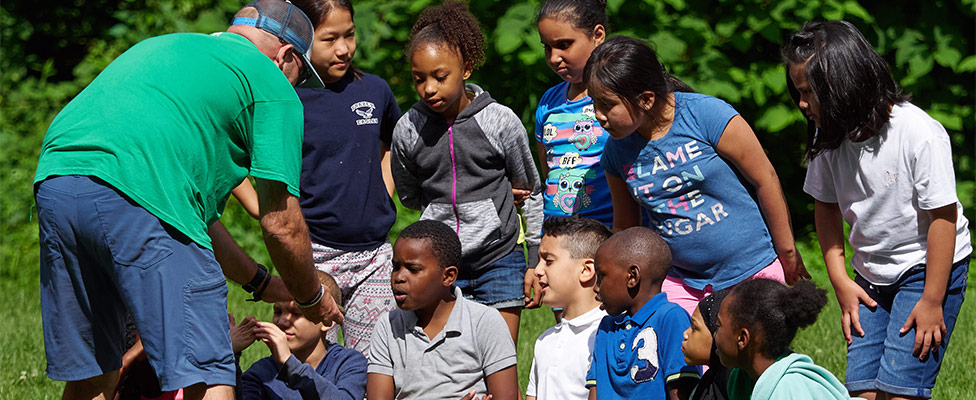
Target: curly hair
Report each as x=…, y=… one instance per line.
x=850, y=80
x=766, y=306
x=581, y=236
x=442, y=240
x=450, y=24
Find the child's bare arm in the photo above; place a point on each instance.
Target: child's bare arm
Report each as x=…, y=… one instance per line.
x=386, y=169
x=740, y=146
x=592, y=393
x=379, y=387
x=248, y=197
x=542, y=153
x=930, y=328
x=503, y=385
x=830, y=233
x=626, y=212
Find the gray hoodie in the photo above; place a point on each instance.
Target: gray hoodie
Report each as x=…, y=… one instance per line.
x=462, y=174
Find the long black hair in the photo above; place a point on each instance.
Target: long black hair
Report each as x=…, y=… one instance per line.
x=764, y=305
x=850, y=80
x=627, y=67
x=584, y=15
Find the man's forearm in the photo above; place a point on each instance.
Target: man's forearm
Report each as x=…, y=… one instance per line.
x=286, y=237
x=235, y=263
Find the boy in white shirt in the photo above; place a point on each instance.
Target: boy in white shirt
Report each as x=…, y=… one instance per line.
x=567, y=275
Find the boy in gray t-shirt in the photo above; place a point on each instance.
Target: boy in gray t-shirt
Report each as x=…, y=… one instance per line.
x=437, y=345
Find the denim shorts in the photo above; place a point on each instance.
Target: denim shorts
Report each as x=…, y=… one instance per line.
x=103, y=256
x=499, y=285
x=882, y=359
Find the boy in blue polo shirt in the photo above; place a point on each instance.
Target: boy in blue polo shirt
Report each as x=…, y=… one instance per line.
x=637, y=353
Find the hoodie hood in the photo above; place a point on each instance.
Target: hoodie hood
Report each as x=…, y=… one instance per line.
x=479, y=100
x=794, y=374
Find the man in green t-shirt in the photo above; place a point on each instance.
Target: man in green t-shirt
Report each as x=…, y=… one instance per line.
x=134, y=173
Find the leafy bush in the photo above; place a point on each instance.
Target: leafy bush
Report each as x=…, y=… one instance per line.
x=726, y=48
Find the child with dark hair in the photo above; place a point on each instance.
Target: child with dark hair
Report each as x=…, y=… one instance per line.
x=756, y=325
x=637, y=353
x=567, y=277
x=884, y=166
x=457, y=155
x=303, y=363
x=699, y=348
x=346, y=184
x=570, y=140
x=437, y=345
x=691, y=161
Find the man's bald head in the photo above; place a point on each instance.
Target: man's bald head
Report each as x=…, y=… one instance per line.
x=267, y=42
x=642, y=247
x=283, y=33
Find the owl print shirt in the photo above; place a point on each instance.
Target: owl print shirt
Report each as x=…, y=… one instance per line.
x=574, y=144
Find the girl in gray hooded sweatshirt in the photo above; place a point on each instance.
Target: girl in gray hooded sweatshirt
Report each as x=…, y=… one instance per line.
x=456, y=156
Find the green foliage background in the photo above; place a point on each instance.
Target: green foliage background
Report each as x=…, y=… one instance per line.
x=726, y=48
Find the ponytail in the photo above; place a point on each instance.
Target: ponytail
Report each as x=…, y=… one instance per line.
x=766, y=306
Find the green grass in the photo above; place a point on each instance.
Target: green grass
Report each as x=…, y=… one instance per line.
x=22, y=359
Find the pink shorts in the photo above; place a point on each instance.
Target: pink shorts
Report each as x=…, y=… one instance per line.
x=688, y=297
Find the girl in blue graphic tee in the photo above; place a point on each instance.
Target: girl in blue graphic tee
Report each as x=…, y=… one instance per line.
x=570, y=139
x=669, y=156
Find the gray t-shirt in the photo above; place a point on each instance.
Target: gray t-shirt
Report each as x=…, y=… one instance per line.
x=474, y=343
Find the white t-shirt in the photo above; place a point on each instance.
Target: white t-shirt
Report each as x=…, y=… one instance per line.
x=883, y=186
x=563, y=353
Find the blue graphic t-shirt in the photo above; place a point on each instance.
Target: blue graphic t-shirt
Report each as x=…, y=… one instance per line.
x=635, y=357
x=574, y=143
x=695, y=200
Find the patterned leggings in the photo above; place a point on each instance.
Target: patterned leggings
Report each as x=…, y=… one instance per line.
x=364, y=279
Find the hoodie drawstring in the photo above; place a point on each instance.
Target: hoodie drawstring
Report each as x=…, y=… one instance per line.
x=450, y=142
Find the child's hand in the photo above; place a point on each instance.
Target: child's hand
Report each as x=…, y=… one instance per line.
x=520, y=196
x=533, y=290
x=793, y=268
x=850, y=295
x=242, y=335
x=276, y=340
x=930, y=328
x=470, y=396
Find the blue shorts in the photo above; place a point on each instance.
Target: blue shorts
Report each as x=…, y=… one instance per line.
x=499, y=285
x=103, y=256
x=882, y=359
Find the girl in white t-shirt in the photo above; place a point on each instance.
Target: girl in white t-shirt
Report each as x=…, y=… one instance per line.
x=885, y=167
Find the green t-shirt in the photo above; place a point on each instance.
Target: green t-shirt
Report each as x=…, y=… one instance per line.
x=176, y=122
